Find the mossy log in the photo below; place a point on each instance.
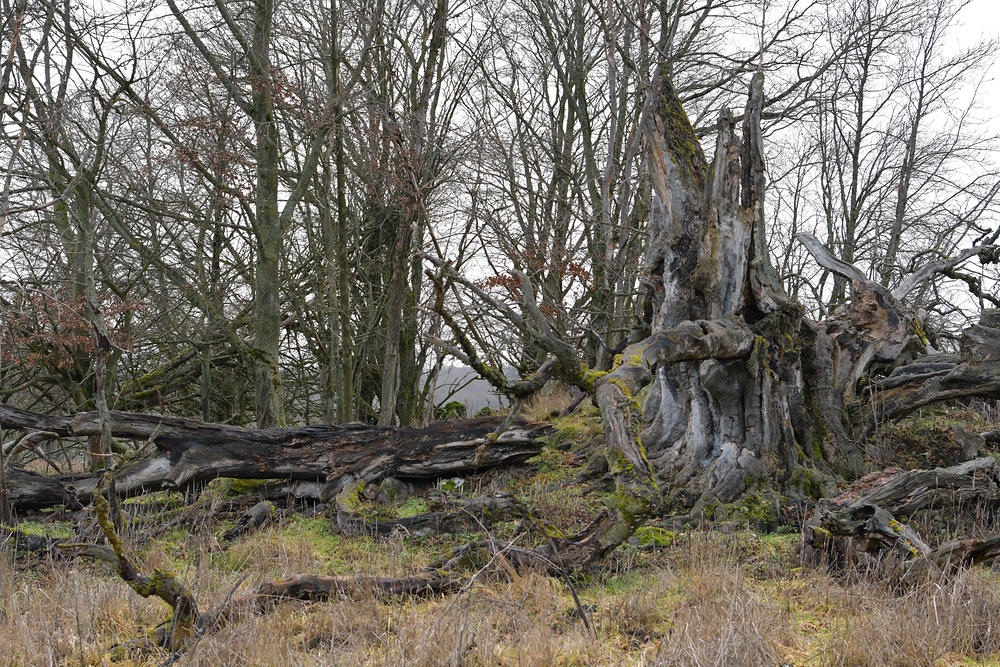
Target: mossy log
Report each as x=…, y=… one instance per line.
x=864, y=525
x=183, y=453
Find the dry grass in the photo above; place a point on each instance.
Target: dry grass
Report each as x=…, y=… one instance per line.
x=939, y=624
x=549, y=402
x=710, y=598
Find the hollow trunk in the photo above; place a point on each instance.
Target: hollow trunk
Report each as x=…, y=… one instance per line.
x=741, y=393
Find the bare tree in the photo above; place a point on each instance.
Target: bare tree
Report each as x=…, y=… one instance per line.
x=898, y=173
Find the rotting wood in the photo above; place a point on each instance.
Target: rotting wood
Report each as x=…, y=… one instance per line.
x=865, y=524
x=187, y=452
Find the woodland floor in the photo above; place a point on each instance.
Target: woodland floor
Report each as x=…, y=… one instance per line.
x=721, y=595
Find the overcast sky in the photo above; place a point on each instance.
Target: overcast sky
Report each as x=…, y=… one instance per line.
x=981, y=19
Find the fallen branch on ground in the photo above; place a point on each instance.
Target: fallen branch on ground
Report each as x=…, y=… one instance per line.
x=863, y=526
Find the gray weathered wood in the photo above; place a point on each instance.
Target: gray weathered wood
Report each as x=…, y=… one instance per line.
x=185, y=452
x=869, y=519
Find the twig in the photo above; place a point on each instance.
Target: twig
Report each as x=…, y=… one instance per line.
x=209, y=621
x=572, y=589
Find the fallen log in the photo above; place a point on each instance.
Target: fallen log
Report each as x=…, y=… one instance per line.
x=30, y=490
x=862, y=526
x=469, y=515
x=181, y=453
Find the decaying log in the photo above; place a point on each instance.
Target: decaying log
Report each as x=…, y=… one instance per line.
x=938, y=377
x=961, y=485
x=187, y=452
x=468, y=515
x=30, y=490
x=900, y=397
x=251, y=520
x=864, y=522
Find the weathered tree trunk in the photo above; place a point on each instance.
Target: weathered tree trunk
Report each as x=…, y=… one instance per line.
x=324, y=458
x=763, y=400
x=720, y=360
x=726, y=389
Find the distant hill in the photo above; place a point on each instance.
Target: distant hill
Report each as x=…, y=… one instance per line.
x=476, y=392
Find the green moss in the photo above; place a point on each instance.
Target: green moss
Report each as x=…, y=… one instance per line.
x=760, y=346
x=591, y=376
x=926, y=439
x=414, y=506
x=450, y=410
x=634, y=405
x=631, y=508
x=653, y=536
x=899, y=528
x=755, y=510
x=582, y=426
x=239, y=487
x=817, y=447
x=758, y=511
x=709, y=508
x=455, y=485
x=622, y=387
x=553, y=460
x=680, y=138
x=164, y=501
x=919, y=331
x=618, y=463
x=807, y=483
x=549, y=530
x=57, y=531
x=350, y=497
x=821, y=537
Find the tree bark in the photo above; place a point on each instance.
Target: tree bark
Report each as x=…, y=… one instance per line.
x=715, y=424
x=727, y=389
x=863, y=525
x=186, y=453
x=745, y=395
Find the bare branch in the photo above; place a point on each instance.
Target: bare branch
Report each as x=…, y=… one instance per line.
x=925, y=272
x=826, y=259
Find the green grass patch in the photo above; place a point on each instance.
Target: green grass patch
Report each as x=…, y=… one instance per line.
x=53, y=530
x=412, y=506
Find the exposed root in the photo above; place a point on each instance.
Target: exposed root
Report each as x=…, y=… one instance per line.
x=865, y=526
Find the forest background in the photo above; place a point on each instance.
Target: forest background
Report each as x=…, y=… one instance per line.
x=248, y=196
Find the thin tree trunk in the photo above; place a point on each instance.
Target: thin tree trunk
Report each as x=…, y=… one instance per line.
x=269, y=234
